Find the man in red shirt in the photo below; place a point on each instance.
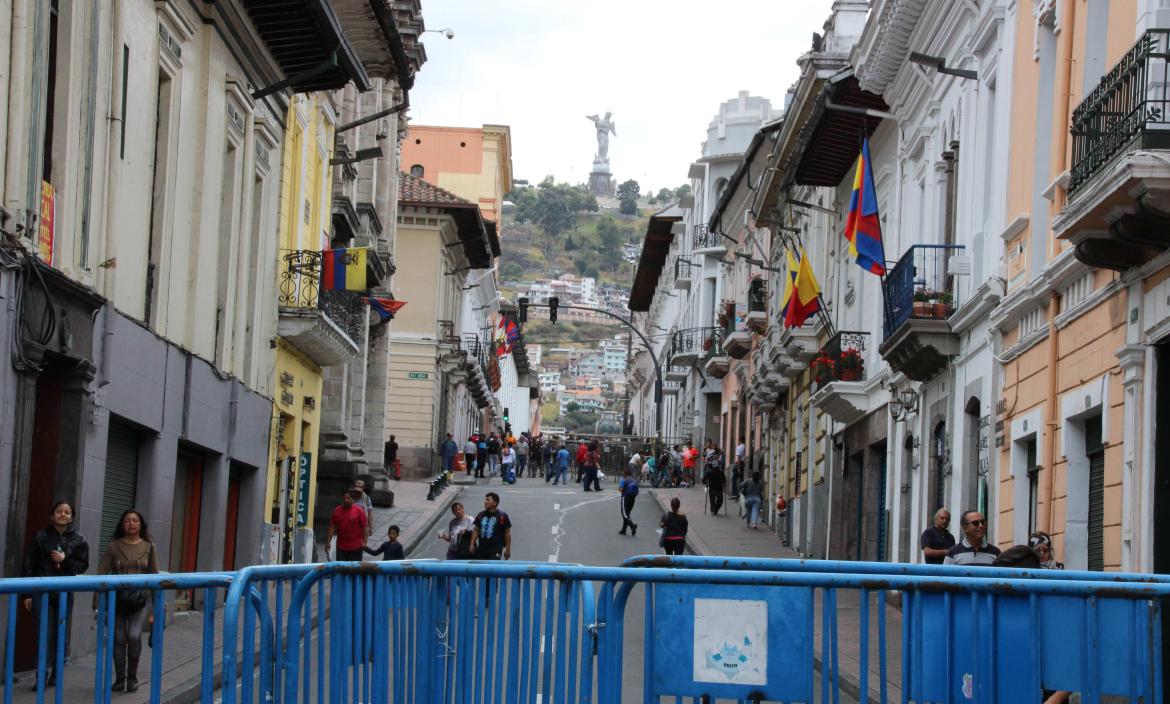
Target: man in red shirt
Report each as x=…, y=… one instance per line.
x=350, y=525
x=582, y=457
x=689, y=456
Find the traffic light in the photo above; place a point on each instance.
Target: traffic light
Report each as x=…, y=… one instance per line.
x=523, y=309
x=507, y=415
x=553, y=302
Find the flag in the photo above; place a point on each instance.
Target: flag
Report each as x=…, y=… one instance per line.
x=511, y=333
x=502, y=346
x=789, y=280
x=805, y=299
x=384, y=306
x=343, y=269
x=863, y=229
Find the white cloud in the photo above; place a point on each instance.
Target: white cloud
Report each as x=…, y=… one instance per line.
x=541, y=66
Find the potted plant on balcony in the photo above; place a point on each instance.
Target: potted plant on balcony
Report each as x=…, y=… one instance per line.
x=942, y=306
x=921, y=303
x=823, y=369
x=851, y=365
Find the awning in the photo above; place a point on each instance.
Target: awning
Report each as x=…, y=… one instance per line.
x=654, y=250
x=830, y=140
x=305, y=36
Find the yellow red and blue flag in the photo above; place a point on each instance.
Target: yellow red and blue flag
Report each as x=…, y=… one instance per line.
x=863, y=228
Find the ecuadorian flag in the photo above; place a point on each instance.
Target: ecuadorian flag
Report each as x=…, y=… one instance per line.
x=863, y=229
x=343, y=269
x=384, y=306
x=805, y=299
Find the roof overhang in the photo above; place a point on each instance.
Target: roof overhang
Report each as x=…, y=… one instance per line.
x=830, y=140
x=375, y=36
x=745, y=166
x=306, y=38
x=474, y=233
x=659, y=236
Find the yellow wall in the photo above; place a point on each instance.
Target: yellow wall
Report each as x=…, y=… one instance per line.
x=301, y=425
x=422, y=247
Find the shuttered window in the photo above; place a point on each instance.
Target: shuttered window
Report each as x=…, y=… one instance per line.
x=121, y=478
x=1095, y=452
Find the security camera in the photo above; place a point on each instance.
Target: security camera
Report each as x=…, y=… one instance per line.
x=449, y=33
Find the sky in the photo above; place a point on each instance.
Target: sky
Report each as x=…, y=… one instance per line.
x=662, y=66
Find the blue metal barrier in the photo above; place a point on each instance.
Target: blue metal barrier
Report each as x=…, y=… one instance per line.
x=750, y=630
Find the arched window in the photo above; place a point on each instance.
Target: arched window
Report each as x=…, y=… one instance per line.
x=416, y=171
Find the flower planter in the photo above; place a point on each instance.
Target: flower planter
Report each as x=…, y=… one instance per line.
x=852, y=374
x=922, y=309
x=940, y=310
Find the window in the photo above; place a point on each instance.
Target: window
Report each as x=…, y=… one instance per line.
x=158, y=193
x=417, y=171
x=1095, y=452
x=229, y=187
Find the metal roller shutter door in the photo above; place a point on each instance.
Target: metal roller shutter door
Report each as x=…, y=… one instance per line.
x=1096, y=519
x=121, y=478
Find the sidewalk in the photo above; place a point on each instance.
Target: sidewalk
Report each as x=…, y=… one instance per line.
x=182, y=654
x=727, y=535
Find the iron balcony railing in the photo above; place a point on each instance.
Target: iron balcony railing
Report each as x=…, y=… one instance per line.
x=842, y=358
x=688, y=341
x=447, y=334
x=300, y=287
x=683, y=268
x=1129, y=109
x=920, y=285
x=758, y=296
x=713, y=343
x=704, y=238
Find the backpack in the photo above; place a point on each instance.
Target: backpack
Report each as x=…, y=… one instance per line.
x=631, y=488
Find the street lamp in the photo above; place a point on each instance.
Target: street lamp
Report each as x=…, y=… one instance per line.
x=939, y=64
x=902, y=403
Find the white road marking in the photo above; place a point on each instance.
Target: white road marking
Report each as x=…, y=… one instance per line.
x=556, y=507
x=554, y=530
x=558, y=529
x=552, y=558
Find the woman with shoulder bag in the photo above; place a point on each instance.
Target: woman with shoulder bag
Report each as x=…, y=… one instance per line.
x=56, y=551
x=130, y=552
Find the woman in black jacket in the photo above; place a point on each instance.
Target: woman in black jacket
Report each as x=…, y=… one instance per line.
x=56, y=551
x=674, y=529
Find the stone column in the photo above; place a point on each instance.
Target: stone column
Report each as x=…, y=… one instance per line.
x=24, y=414
x=1132, y=359
x=76, y=403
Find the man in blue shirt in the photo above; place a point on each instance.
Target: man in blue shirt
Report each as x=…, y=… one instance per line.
x=562, y=466
x=448, y=450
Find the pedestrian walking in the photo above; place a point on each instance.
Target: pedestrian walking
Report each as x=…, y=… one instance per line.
x=522, y=449
x=690, y=457
x=447, y=451
x=508, y=461
x=470, y=456
x=628, y=487
x=674, y=529
x=458, y=534
x=390, y=458
x=361, y=498
x=937, y=540
x=56, y=551
x=714, y=479
x=582, y=456
x=752, y=492
x=493, y=451
x=130, y=552
x=391, y=549
x=481, y=456
x=491, y=535
x=561, y=471
x=593, y=467
x=349, y=525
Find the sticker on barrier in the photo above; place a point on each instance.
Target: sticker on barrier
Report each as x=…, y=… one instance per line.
x=740, y=641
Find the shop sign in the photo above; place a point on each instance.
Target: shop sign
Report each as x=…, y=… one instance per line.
x=45, y=228
x=303, y=488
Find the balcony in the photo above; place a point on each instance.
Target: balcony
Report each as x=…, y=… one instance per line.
x=839, y=373
x=675, y=372
x=686, y=346
x=671, y=388
x=327, y=326
x=716, y=363
x=757, y=315
x=704, y=241
x=684, y=273
x=1117, y=214
x=919, y=300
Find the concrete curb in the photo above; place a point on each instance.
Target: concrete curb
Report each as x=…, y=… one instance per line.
x=847, y=684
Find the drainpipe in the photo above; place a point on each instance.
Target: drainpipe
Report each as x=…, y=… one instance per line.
x=15, y=200
x=1050, y=421
x=6, y=39
x=106, y=278
x=1063, y=113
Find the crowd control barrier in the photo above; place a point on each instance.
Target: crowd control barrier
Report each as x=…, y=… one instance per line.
x=712, y=629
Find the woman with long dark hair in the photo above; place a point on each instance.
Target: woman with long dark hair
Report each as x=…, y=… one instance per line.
x=674, y=529
x=56, y=551
x=130, y=552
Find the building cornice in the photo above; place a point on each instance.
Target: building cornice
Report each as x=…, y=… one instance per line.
x=881, y=52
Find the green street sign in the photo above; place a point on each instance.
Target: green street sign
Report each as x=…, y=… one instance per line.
x=418, y=375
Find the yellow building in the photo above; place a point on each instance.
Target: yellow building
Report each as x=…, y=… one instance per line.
x=308, y=338
x=474, y=163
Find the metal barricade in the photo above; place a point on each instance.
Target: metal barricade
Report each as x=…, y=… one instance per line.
x=419, y=632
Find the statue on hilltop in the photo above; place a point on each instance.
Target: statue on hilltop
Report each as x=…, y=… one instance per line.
x=605, y=127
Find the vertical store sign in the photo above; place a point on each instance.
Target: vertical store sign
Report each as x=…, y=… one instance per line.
x=303, y=489
x=45, y=229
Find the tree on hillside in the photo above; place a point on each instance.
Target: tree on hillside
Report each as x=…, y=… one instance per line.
x=582, y=265
x=665, y=195
x=683, y=190
x=629, y=189
x=609, y=233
